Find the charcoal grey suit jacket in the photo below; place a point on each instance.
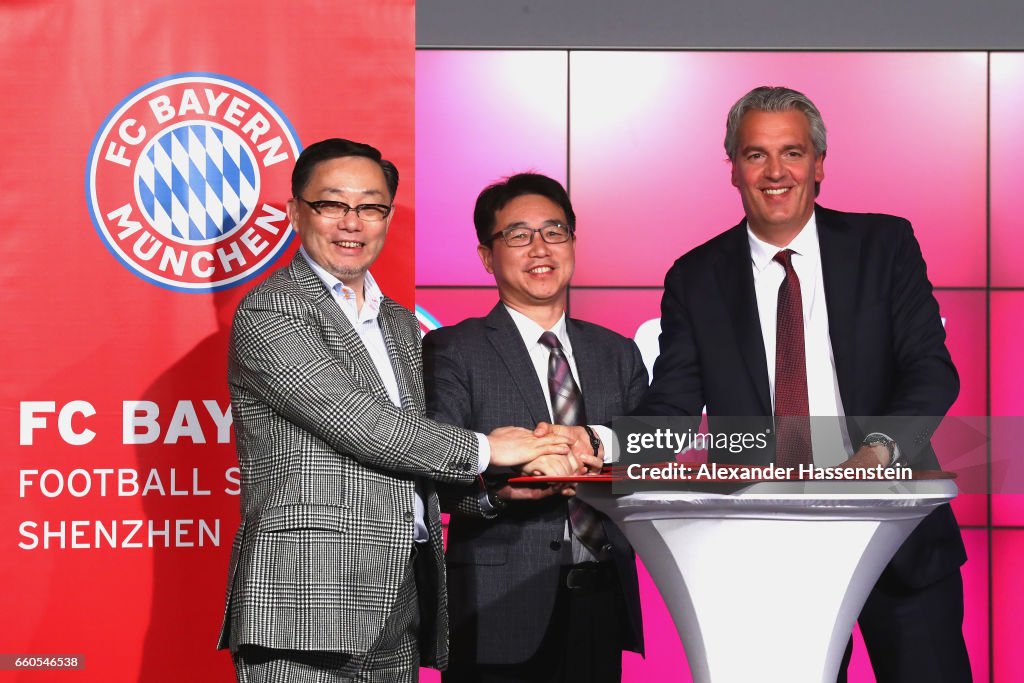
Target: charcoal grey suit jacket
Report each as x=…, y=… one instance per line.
x=503, y=572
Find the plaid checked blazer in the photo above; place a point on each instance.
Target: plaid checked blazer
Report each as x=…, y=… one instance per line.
x=328, y=468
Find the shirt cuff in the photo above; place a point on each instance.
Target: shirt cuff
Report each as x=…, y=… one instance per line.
x=607, y=439
x=484, y=450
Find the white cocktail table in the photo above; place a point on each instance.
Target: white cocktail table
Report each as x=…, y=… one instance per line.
x=765, y=584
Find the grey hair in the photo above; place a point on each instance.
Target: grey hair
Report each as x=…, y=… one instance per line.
x=774, y=99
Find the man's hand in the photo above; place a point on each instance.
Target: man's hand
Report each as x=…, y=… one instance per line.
x=867, y=456
x=579, y=441
x=554, y=466
x=512, y=446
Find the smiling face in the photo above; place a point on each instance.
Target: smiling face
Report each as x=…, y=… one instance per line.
x=775, y=170
x=345, y=247
x=537, y=275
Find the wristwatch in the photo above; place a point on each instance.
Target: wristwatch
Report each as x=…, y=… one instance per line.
x=490, y=503
x=497, y=502
x=880, y=439
x=595, y=442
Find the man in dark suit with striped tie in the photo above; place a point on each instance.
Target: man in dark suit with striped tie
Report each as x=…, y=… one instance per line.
x=542, y=588
x=337, y=568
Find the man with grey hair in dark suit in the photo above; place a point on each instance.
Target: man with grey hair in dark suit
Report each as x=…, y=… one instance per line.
x=337, y=568
x=801, y=311
x=542, y=588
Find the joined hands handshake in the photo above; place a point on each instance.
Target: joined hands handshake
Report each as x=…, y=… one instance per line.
x=549, y=450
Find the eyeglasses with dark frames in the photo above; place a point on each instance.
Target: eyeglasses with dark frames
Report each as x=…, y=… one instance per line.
x=521, y=236
x=365, y=212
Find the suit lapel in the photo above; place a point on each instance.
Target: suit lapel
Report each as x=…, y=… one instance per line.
x=401, y=355
x=349, y=342
x=591, y=371
x=504, y=336
x=736, y=280
x=840, y=256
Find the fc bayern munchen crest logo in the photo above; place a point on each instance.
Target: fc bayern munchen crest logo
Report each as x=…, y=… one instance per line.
x=180, y=180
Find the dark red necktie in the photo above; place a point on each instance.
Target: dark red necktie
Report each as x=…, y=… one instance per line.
x=792, y=424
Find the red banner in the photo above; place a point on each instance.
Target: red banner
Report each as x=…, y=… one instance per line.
x=147, y=159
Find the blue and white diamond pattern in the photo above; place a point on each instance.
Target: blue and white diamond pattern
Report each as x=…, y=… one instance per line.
x=197, y=182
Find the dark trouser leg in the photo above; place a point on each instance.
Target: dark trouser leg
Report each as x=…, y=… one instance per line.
x=915, y=636
x=581, y=643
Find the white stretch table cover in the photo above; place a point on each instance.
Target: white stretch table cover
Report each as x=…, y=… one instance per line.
x=765, y=584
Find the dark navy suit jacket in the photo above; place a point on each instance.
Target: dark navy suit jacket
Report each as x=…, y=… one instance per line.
x=895, y=374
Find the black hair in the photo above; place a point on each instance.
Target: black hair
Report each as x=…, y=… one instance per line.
x=494, y=198
x=334, y=148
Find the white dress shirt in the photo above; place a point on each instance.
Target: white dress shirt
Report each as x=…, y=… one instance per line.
x=830, y=440
x=539, y=354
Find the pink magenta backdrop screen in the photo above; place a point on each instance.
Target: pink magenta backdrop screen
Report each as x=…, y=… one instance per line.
x=1007, y=201
x=637, y=138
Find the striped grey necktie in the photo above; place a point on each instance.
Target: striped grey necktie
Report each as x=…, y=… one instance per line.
x=567, y=409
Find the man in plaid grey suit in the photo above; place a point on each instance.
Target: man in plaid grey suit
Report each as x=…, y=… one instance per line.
x=337, y=570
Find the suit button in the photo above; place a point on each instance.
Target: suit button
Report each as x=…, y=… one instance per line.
x=556, y=545
x=466, y=466
x=606, y=548
x=409, y=516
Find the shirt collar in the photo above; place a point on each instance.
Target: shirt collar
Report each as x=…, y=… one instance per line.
x=372, y=296
x=804, y=244
x=530, y=331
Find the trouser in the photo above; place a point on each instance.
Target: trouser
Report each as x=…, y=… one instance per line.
x=581, y=643
x=914, y=635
